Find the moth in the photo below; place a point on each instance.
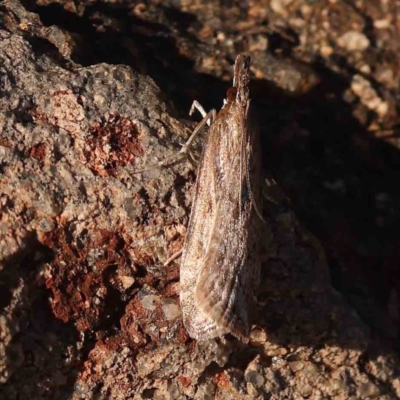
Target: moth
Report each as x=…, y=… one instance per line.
x=220, y=266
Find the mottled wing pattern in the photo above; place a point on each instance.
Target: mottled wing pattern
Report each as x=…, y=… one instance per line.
x=220, y=265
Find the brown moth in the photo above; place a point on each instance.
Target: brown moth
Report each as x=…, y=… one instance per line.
x=220, y=264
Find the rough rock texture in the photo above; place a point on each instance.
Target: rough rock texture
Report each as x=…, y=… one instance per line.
x=87, y=308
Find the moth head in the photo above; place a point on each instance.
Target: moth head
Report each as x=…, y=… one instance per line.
x=231, y=94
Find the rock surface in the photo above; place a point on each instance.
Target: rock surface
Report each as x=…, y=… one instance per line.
x=88, y=309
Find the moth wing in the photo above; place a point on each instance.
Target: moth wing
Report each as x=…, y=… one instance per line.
x=200, y=228
x=224, y=289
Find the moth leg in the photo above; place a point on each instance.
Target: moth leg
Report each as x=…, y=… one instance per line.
x=185, y=150
x=253, y=200
x=208, y=118
x=173, y=257
x=197, y=106
x=252, y=197
x=273, y=193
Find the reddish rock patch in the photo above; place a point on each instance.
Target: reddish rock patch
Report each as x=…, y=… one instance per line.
x=113, y=144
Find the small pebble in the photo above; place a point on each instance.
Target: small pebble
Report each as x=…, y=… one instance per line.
x=171, y=309
x=150, y=302
x=256, y=379
x=353, y=41
x=258, y=337
x=126, y=281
